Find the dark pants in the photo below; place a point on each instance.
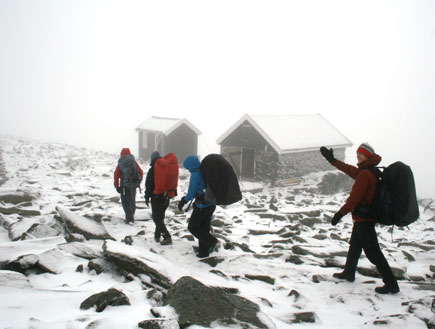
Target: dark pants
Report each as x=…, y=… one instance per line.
x=364, y=238
x=199, y=226
x=128, y=199
x=159, y=204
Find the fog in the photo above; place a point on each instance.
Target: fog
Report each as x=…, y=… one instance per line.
x=88, y=73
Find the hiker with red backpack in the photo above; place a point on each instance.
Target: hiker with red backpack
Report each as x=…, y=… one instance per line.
x=363, y=233
x=127, y=178
x=200, y=220
x=160, y=185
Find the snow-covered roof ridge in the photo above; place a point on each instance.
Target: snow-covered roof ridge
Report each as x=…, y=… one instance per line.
x=165, y=125
x=293, y=132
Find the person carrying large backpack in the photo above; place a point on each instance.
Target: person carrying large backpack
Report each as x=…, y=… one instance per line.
x=363, y=233
x=160, y=195
x=199, y=222
x=127, y=178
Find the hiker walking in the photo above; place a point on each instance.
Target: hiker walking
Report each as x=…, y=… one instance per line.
x=199, y=222
x=159, y=203
x=363, y=233
x=127, y=177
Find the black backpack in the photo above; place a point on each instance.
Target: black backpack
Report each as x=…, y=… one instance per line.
x=221, y=181
x=130, y=176
x=395, y=200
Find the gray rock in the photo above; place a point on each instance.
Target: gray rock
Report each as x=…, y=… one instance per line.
x=303, y=317
x=100, y=265
x=212, y=261
x=159, y=324
x=197, y=304
x=16, y=198
x=243, y=246
x=263, y=278
x=295, y=294
x=111, y=297
x=37, y=231
x=311, y=221
x=19, y=211
x=334, y=183
x=294, y=259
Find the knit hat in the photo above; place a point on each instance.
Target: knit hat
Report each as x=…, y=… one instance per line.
x=366, y=149
x=155, y=155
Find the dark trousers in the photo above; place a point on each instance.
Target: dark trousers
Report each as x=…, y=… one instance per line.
x=364, y=238
x=159, y=204
x=128, y=199
x=199, y=226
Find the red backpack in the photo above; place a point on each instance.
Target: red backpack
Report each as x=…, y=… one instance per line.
x=166, y=175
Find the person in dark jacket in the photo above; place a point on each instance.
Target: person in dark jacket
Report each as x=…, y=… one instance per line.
x=363, y=233
x=159, y=204
x=199, y=222
x=124, y=188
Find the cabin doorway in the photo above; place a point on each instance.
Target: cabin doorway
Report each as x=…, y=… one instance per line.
x=248, y=163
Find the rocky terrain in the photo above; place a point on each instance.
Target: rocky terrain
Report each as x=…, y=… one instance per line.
x=68, y=260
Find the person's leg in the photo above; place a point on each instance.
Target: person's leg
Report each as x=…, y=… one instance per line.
x=133, y=201
x=166, y=235
x=353, y=254
x=126, y=199
x=158, y=211
x=375, y=255
x=199, y=226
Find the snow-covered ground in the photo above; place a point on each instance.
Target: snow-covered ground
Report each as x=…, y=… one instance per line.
x=263, y=235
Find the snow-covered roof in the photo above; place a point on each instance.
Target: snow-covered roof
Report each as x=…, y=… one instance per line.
x=293, y=133
x=165, y=125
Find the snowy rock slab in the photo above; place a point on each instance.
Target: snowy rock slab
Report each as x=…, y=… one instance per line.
x=140, y=262
x=13, y=279
x=90, y=229
x=12, y=250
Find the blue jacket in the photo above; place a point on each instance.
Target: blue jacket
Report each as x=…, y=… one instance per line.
x=196, y=183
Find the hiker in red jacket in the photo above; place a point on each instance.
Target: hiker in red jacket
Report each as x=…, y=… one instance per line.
x=159, y=204
x=127, y=177
x=363, y=233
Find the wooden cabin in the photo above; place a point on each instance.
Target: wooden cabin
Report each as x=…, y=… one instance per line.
x=167, y=135
x=280, y=147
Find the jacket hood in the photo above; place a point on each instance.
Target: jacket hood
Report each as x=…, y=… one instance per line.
x=374, y=160
x=125, y=151
x=191, y=163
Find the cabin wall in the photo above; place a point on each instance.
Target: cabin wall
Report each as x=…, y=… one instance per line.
x=183, y=141
x=271, y=167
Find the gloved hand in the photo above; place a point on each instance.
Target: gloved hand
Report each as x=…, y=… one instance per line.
x=119, y=189
x=181, y=204
x=336, y=218
x=147, y=201
x=328, y=154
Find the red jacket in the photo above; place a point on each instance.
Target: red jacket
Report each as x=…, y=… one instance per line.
x=117, y=174
x=363, y=190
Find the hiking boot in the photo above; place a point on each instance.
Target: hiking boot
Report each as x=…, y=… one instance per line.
x=345, y=276
x=166, y=241
x=387, y=289
x=213, y=247
x=201, y=255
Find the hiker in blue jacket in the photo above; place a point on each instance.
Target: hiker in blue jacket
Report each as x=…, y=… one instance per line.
x=199, y=222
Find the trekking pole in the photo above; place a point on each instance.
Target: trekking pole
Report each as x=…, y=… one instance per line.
x=187, y=209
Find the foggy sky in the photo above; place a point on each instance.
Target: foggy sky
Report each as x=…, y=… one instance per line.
x=88, y=73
